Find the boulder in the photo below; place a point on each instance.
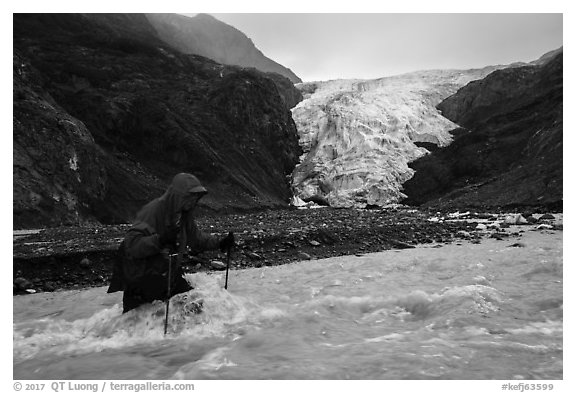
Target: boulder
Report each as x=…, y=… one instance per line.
x=530, y=218
x=400, y=245
x=253, y=256
x=218, y=265
x=463, y=234
x=546, y=217
x=517, y=245
x=516, y=219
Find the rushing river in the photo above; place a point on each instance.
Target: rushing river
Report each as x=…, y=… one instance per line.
x=469, y=311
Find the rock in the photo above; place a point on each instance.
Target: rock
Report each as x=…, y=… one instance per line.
x=22, y=283
x=463, y=234
x=481, y=227
x=545, y=226
x=304, y=255
x=400, y=245
x=531, y=219
x=49, y=286
x=517, y=245
x=314, y=243
x=85, y=263
x=218, y=265
x=253, y=256
x=31, y=290
x=516, y=219
x=547, y=216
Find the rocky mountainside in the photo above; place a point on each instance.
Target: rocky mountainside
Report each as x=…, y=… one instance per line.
x=105, y=114
x=509, y=152
x=358, y=136
x=206, y=36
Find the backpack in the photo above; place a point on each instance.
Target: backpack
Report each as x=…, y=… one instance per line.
x=128, y=271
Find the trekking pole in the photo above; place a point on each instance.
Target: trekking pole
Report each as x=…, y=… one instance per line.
x=227, y=266
x=168, y=294
x=182, y=244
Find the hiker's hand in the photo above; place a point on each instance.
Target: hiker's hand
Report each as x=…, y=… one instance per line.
x=169, y=237
x=227, y=243
x=165, y=254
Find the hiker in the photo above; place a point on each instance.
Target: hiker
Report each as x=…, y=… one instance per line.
x=162, y=227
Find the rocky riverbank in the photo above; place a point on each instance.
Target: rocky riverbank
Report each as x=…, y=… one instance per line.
x=79, y=257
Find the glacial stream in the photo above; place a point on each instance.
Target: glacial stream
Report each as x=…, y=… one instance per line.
x=492, y=310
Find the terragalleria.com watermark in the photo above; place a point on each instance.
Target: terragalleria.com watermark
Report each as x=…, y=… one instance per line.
x=106, y=386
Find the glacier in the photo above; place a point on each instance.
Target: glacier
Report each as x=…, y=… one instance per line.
x=358, y=136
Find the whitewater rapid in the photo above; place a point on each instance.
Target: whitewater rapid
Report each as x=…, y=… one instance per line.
x=492, y=310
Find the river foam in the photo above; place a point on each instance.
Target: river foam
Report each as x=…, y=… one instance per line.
x=412, y=314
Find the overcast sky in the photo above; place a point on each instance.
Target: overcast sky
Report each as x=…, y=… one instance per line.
x=352, y=45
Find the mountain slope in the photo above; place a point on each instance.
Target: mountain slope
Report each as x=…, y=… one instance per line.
x=206, y=36
x=358, y=136
x=511, y=151
x=105, y=113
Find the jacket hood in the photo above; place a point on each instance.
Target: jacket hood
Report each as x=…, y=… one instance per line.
x=165, y=211
x=183, y=186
